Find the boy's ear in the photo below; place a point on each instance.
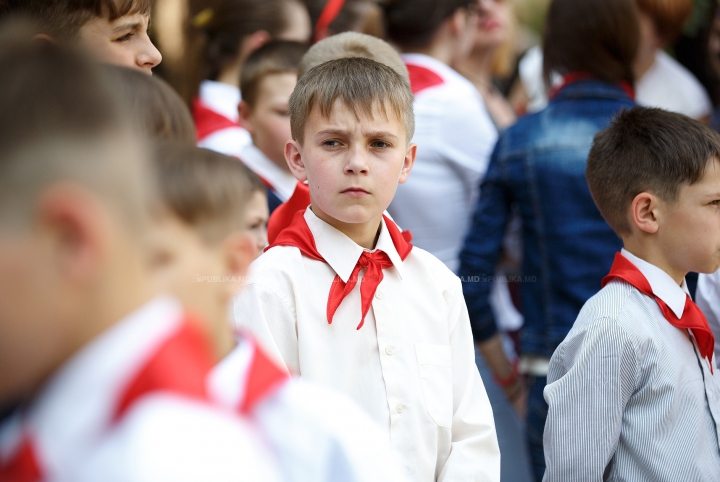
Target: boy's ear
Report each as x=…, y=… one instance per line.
x=293, y=157
x=244, y=112
x=238, y=253
x=254, y=41
x=408, y=163
x=643, y=212
x=75, y=223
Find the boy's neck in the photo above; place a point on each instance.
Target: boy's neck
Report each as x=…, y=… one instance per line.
x=364, y=235
x=653, y=256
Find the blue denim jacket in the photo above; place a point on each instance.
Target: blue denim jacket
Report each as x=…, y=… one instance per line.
x=539, y=165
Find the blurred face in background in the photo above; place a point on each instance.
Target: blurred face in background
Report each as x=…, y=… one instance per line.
x=493, y=24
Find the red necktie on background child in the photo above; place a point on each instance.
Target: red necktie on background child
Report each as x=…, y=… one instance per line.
x=692, y=318
x=298, y=234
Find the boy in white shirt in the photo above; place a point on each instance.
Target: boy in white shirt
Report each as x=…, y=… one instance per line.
x=201, y=253
x=633, y=392
x=409, y=360
x=108, y=381
x=267, y=80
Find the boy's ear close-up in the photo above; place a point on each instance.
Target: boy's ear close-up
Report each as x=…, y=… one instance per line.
x=408, y=163
x=293, y=157
x=245, y=113
x=644, y=212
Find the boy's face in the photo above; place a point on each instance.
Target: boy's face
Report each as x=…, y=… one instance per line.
x=269, y=120
x=257, y=214
x=202, y=275
x=689, y=229
x=353, y=164
x=123, y=42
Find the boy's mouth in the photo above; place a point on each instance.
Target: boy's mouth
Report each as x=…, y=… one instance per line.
x=355, y=191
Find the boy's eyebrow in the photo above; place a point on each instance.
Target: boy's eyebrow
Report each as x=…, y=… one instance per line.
x=381, y=134
x=131, y=25
x=343, y=132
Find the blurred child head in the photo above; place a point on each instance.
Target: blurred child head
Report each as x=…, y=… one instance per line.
x=156, y=109
x=204, y=247
x=353, y=44
x=268, y=78
x=113, y=31
x=75, y=197
x=419, y=25
x=598, y=37
x=351, y=123
x=223, y=33
x=655, y=177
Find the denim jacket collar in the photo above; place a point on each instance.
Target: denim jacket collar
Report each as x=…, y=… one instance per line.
x=592, y=89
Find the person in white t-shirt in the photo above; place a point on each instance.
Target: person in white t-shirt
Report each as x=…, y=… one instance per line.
x=454, y=133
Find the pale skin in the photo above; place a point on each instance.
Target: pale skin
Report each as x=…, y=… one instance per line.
x=77, y=256
x=678, y=237
x=202, y=274
x=123, y=42
x=353, y=166
x=256, y=219
x=268, y=120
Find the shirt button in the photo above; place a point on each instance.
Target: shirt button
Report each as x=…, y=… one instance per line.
x=378, y=295
x=400, y=408
x=389, y=350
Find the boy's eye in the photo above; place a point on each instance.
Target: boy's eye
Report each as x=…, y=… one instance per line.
x=715, y=202
x=380, y=144
x=125, y=37
x=331, y=143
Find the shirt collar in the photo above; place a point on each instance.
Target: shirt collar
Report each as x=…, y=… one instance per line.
x=663, y=286
x=341, y=252
x=89, y=383
x=222, y=98
x=282, y=182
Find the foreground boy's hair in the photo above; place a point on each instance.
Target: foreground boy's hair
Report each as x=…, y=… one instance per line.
x=353, y=44
x=62, y=19
x=203, y=188
x=642, y=152
x=362, y=84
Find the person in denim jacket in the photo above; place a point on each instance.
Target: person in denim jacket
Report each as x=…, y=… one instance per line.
x=538, y=167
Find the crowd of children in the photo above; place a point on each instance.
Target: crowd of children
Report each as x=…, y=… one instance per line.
x=281, y=264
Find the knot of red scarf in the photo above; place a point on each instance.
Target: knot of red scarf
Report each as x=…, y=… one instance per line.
x=23, y=465
x=298, y=234
x=692, y=318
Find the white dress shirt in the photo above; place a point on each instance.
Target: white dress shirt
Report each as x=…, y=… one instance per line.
x=411, y=366
x=162, y=436
x=280, y=180
x=316, y=434
x=708, y=300
x=630, y=398
x=223, y=99
x=455, y=137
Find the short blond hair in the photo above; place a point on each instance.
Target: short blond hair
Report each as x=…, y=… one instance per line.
x=353, y=44
x=360, y=83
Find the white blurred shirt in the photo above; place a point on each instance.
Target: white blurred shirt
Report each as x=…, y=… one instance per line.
x=411, y=366
x=76, y=434
x=223, y=99
x=455, y=138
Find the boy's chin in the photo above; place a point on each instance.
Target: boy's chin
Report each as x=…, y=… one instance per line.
x=353, y=215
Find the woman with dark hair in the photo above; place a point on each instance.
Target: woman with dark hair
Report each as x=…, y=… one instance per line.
x=538, y=167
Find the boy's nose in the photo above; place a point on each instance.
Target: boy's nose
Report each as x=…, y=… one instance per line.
x=356, y=161
x=149, y=56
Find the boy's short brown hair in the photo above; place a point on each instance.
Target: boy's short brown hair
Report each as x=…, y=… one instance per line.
x=646, y=150
x=206, y=190
x=361, y=83
x=353, y=44
x=157, y=111
x=275, y=57
x=63, y=19
x=412, y=24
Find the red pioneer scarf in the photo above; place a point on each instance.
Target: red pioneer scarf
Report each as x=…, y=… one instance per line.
x=692, y=318
x=298, y=234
